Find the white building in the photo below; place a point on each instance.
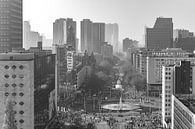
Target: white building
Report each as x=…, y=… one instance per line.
x=167, y=91
x=17, y=84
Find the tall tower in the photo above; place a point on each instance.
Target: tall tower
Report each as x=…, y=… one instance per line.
x=98, y=36
x=10, y=25
x=64, y=32
x=111, y=35
x=161, y=35
x=86, y=35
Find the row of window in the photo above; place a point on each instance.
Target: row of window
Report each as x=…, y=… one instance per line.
x=21, y=76
x=20, y=112
x=14, y=85
x=14, y=67
x=14, y=94
x=21, y=121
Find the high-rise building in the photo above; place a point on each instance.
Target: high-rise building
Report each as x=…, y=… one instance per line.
x=86, y=36
x=187, y=43
x=111, y=35
x=10, y=25
x=64, y=32
x=30, y=38
x=161, y=35
x=98, y=36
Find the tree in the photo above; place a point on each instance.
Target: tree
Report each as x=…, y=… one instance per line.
x=9, y=119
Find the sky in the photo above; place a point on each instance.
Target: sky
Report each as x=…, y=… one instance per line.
x=132, y=16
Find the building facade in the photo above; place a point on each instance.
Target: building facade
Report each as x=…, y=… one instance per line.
x=154, y=62
x=11, y=24
x=26, y=78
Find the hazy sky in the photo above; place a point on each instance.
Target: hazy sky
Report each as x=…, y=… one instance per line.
x=131, y=15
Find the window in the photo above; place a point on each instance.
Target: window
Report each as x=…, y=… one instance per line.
x=6, y=76
x=14, y=94
x=21, y=121
x=21, y=76
x=13, y=67
x=21, y=112
x=6, y=67
x=6, y=84
x=21, y=94
x=14, y=85
x=6, y=94
x=21, y=67
x=21, y=103
x=13, y=76
x=21, y=85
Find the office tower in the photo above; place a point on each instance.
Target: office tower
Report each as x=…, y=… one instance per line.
x=129, y=43
x=64, y=32
x=107, y=51
x=183, y=113
x=111, y=35
x=161, y=35
x=30, y=38
x=98, y=36
x=25, y=79
x=10, y=25
x=86, y=36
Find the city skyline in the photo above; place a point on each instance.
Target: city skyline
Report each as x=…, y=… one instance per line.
x=138, y=14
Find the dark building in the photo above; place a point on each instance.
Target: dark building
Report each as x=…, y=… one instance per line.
x=161, y=35
x=182, y=78
x=11, y=23
x=44, y=90
x=187, y=43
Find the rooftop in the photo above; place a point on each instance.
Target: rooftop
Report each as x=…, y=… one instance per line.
x=16, y=56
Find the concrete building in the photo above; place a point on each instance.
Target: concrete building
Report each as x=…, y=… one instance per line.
x=23, y=83
x=86, y=36
x=167, y=91
x=30, y=38
x=154, y=62
x=98, y=36
x=183, y=113
x=161, y=35
x=111, y=35
x=11, y=24
x=107, y=51
x=64, y=32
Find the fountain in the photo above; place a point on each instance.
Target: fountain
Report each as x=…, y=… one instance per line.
x=120, y=106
